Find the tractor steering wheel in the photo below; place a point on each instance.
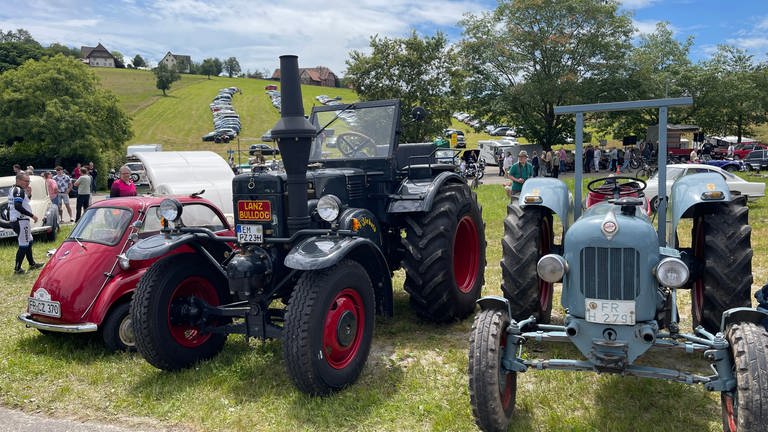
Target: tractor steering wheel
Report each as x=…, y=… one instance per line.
x=355, y=144
x=612, y=186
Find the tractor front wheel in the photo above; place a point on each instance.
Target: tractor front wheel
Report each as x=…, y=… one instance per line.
x=492, y=389
x=329, y=328
x=445, y=255
x=745, y=409
x=169, y=323
x=528, y=235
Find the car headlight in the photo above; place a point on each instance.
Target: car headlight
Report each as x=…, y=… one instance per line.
x=170, y=209
x=329, y=207
x=672, y=272
x=124, y=262
x=552, y=268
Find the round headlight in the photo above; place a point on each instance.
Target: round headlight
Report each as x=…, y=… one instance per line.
x=671, y=272
x=551, y=268
x=170, y=209
x=329, y=207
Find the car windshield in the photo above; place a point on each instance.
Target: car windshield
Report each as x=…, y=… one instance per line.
x=673, y=173
x=104, y=225
x=354, y=132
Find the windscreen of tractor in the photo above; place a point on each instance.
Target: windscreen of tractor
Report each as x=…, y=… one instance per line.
x=356, y=133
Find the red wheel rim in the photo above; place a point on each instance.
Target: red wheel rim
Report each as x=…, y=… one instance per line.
x=187, y=335
x=466, y=254
x=505, y=378
x=730, y=416
x=545, y=244
x=344, y=328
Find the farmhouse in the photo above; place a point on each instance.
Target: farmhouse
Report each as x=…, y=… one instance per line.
x=319, y=76
x=182, y=63
x=97, y=56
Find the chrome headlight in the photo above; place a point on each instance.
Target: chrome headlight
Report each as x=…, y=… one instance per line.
x=672, y=272
x=170, y=209
x=551, y=268
x=329, y=207
x=123, y=261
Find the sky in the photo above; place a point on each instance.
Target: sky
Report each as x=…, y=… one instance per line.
x=257, y=32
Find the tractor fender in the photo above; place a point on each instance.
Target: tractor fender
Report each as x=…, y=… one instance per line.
x=494, y=302
x=157, y=246
x=316, y=253
x=687, y=192
x=553, y=195
x=418, y=195
x=744, y=314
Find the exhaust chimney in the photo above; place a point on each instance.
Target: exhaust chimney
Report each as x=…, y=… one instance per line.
x=294, y=135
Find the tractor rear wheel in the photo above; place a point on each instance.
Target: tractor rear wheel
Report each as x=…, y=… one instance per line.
x=168, y=322
x=329, y=327
x=528, y=235
x=492, y=389
x=445, y=255
x=746, y=408
x=721, y=243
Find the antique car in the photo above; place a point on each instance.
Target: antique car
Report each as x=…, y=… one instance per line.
x=47, y=223
x=87, y=284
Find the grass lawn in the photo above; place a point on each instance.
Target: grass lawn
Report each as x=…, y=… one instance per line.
x=415, y=378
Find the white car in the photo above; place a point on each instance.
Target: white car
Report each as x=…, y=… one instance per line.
x=47, y=214
x=752, y=190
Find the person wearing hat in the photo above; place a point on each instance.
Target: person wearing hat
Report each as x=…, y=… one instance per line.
x=519, y=172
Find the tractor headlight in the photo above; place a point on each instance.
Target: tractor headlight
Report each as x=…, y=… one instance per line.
x=671, y=272
x=124, y=262
x=552, y=268
x=329, y=207
x=169, y=209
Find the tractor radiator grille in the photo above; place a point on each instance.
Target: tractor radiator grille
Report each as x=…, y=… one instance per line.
x=356, y=188
x=610, y=273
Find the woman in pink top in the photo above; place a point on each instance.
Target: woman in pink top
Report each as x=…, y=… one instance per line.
x=123, y=186
x=53, y=188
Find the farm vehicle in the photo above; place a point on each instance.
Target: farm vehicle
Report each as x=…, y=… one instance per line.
x=620, y=282
x=316, y=247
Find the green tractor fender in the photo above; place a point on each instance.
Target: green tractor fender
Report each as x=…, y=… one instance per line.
x=550, y=193
x=316, y=253
x=695, y=190
x=418, y=195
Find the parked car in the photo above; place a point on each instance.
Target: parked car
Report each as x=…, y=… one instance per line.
x=756, y=160
x=740, y=151
x=751, y=190
x=47, y=214
x=265, y=149
x=729, y=165
x=460, y=140
x=220, y=135
x=138, y=174
x=87, y=284
x=500, y=131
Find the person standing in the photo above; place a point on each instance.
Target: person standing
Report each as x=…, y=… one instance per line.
x=588, y=155
x=561, y=155
x=535, y=163
x=508, y=161
x=731, y=151
x=596, y=159
x=694, y=157
x=64, y=183
x=518, y=173
x=556, y=164
x=93, y=173
x=123, y=186
x=83, y=185
x=53, y=188
x=20, y=212
x=614, y=158
x=500, y=159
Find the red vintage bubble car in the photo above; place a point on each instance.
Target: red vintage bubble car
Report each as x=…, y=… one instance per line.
x=87, y=284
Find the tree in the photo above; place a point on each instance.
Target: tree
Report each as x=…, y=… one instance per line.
x=208, y=67
x=219, y=66
x=57, y=48
x=417, y=71
x=18, y=47
x=138, y=61
x=55, y=109
x=231, y=66
x=165, y=77
x=119, y=59
x=528, y=56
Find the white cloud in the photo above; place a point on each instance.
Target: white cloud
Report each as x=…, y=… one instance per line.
x=637, y=4
x=749, y=44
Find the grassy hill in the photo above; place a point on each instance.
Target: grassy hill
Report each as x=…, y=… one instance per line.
x=177, y=121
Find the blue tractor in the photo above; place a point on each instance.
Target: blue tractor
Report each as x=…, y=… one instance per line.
x=620, y=280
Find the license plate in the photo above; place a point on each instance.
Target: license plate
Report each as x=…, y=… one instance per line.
x=254, y=210
x=620, y=312
x=250, y=233
x=44, y=307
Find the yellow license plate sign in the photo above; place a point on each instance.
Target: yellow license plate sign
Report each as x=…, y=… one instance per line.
x=256, y=210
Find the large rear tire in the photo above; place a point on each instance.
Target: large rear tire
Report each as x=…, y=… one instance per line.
x=746, y=408
x=169, y=334
x=445, y=255
x=329, y=327
x=492, y=389
x=528, y=235
x=721, y=243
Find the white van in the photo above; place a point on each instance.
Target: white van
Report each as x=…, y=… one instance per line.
x=490, y=149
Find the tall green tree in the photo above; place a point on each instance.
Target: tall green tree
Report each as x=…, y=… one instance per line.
x=219, y=66
x=138, y=61
x=528, y=56
x=208, y=67
x=16, y=47
x=418, y=71
x=55, y=108
x=165, y=77
x=119, y=59
x=231, y=66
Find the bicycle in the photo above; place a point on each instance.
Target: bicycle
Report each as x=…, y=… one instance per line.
x=647, y=168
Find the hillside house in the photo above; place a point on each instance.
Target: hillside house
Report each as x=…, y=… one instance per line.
x=319, y=76
x=182, y=63
x=97, y=56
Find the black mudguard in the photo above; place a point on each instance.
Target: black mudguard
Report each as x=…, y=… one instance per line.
x=157, y=245
x=416, y=195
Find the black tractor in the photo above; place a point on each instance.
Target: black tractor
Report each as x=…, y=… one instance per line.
x=316, y=247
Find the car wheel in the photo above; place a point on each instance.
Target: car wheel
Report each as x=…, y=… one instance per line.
x=117, y=329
